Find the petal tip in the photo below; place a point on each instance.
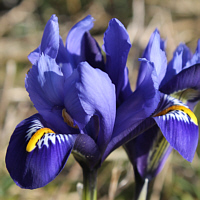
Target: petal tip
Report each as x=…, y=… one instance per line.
x=54, y=18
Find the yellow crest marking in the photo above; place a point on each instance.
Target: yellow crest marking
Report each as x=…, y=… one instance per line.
x=36, y=136
x=181, y=108
x=67, y=119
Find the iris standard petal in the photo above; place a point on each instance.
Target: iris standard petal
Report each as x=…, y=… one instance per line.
x=90, y=92
x=154, y=47
x=50, y=39
x=174, y=67
x=181, y=56
x=44, y=83
x=63, y=61
x=150, y=159
x=196, y=57
x=91, y=52
x=116, y=46
x=147, y=51
x=160, y=60
x=74, y=38
x=36, y=154
x=125, y=90
x=186, y=84
x=62, y=53
x=179, y=126
x=138, y=107
x=186, y=54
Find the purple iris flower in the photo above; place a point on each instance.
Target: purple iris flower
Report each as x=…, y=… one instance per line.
x=157, y=117
x=160, y=108
x=72, y=89
x=176, y=125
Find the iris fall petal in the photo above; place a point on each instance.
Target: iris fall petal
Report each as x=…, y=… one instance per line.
x=180, y=128
x=39, y=164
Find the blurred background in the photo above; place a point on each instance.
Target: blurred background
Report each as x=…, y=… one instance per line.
x=21, y=27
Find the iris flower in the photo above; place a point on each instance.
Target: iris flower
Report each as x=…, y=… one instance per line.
x=174, y=116
x=75, y=93
x=165, y=119
x=167, y=122
x=157, y=117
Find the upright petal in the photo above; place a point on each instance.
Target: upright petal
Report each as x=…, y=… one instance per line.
x=196, y=57
x=74, y=39
x=50, y=39
x=62, y=53
x=63, y=61
x=158, y=57
x=91, y=52
x=125, y=91
x=155, y=35
x=135, y=110
x=154, y=52
x=181, y=56
x=185, y=84
x=116, y=47
x=44, y=83
x=90, y=92
x=36, y=154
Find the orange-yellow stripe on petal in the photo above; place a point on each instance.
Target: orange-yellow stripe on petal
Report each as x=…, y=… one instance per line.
x=34, y=139
x=182, y=108
x=67, y=118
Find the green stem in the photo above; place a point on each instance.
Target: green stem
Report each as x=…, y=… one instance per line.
x=89, y=184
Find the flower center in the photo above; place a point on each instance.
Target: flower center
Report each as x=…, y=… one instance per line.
x=181, y=108
x=67, y=118
x=36, y=137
